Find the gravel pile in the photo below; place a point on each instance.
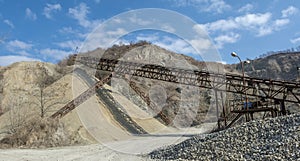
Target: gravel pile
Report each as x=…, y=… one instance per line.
x=271, y=139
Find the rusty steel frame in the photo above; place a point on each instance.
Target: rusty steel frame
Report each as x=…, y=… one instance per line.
x=81, y=98
x=270, y=89
x=145, y=97
x=282, y=91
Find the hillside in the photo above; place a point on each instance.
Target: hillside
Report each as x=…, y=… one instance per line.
x=23, y=85
x=281, y=66
x=31, y=91
x=28, y=100
x=179, y=103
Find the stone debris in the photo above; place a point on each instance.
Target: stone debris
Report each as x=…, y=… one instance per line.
x=270, y=139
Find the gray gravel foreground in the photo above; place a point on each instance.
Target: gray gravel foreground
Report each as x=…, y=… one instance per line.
x=270, y=139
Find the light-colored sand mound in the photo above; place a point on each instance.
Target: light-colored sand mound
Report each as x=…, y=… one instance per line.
x=96, y=118
x=142, y=118
x=91, y=122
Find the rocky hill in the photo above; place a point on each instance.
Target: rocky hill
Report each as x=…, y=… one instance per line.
x=281, y=66
x=30, y=90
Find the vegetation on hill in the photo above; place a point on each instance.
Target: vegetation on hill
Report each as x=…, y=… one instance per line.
x=30, y=92
x=41, y=132
x=279, y=66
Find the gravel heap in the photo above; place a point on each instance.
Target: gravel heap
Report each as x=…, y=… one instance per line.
x=270, y=139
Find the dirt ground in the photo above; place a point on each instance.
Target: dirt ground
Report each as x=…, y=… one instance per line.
x=91, y=153
x=131, y=149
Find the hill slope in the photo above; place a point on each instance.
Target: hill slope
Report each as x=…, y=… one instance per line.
x=282, y=66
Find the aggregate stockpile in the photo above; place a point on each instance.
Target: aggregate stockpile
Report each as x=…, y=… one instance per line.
x=271, y=139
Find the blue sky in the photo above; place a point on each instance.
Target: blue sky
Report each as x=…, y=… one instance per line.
x=50, y=30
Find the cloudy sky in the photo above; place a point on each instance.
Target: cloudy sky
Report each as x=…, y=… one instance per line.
x=50, y=30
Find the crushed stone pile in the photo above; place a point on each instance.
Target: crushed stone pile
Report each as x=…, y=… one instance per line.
x=270, y=139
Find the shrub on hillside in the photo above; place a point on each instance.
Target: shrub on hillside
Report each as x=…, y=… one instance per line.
x=39, y=133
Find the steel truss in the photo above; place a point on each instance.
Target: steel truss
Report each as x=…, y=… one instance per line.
x=264, y=89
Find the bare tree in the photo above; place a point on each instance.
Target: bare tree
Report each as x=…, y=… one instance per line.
x=17, y=111
x=17, y=116
x=45, y=99
x=27, y=104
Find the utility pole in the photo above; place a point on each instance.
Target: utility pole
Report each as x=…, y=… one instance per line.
x=233, y=54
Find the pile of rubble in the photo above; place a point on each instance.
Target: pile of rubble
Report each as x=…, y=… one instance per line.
x=271, y=139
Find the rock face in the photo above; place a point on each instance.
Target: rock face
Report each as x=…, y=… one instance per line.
x=282, y=66
x=272, y=139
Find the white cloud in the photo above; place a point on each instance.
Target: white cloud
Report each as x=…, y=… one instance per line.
x=248, y=7
x=175, y=45
x=264, y=30
x=54, y=53
x=80, y=13
x=215, y=6
x=116, y=20
x=102, y=39
x=72, y=33
x=9, y=23
x=19, y=47
x=273, y=26
x=291, y=10
x=180, y=3
x=248, y=21
x=117, y=32
x=281, y=22
x=252, y=20
x=295, y=40
x=133, y=19
x=67, y=30
x=225, y=31
x=225, y=39
x=200, y=29
x=30, y=15
x=168, y=28
x=260, y=24
x=222, y=25
x=71, y=44
x=10, y=59
x=50, y=8
x=201, y=44
x=16, y=44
